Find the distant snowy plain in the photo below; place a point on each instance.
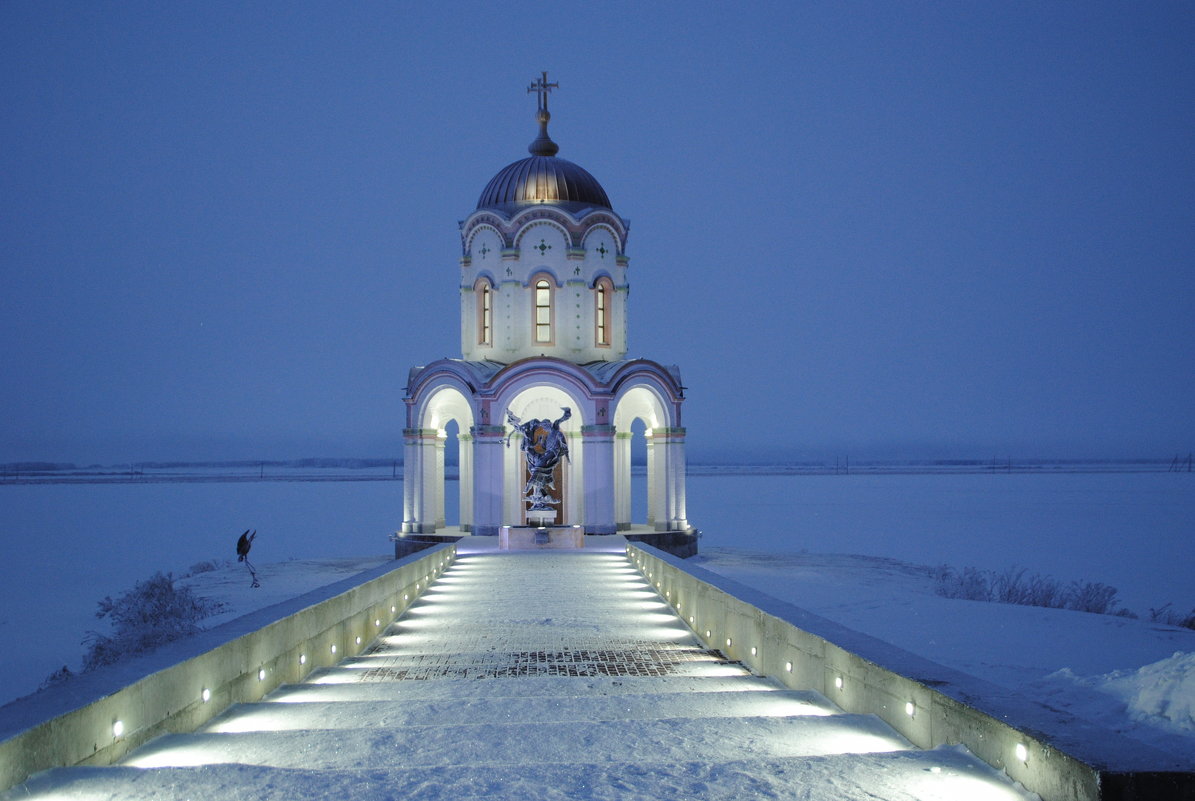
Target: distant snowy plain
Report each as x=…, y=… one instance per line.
x=854, y=548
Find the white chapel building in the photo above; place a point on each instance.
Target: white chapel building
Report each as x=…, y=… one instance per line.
x=543, y=294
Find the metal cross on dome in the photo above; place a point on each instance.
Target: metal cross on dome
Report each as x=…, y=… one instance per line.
x=542, y=87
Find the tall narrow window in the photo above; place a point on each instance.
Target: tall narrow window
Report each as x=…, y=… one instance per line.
x=543, y=311
x=485, y=315
x=601, y=313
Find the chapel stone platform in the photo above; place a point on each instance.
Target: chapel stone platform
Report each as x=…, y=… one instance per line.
x=539, y=674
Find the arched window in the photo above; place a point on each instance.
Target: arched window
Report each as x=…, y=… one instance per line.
x=543, y=311
x=602, y=292
x=485, y=313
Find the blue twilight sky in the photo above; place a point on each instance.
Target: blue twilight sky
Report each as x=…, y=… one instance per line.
x=227, y=230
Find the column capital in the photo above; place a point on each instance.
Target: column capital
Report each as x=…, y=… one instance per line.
x=488, y=432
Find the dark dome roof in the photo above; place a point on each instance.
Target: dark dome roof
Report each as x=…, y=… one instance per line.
x=543, y=179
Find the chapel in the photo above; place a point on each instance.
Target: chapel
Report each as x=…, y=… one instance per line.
x=543, y=281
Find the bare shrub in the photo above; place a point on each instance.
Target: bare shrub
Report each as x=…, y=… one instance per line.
x=206, y=566
x=1016, y=586
x=1092, y=596
x=970, y=585
x=151, y=614
x=1167, y=616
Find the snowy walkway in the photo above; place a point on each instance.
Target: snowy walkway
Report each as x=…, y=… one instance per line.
x=538, y=675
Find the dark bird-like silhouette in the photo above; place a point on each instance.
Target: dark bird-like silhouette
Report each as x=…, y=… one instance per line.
x=243, y=546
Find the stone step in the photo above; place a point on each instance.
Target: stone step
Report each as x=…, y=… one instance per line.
x=334, y=684
x=944, y=774
x=339, y=714
x=631, y=741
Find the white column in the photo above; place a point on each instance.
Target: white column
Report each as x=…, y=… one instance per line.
x=598, y=450
x=465, y=468
x=419, y=466
x=655, y=485
x=488, y=459
x=669, y=445
x=438, y=478
x=622, y=479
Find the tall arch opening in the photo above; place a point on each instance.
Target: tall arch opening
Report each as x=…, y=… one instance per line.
x=638, y=482
x=639, y=491
x=545, y=403
x=438, y=465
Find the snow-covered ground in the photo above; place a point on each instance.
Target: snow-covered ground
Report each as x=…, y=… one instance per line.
x=1127, y=675
x=856, y=549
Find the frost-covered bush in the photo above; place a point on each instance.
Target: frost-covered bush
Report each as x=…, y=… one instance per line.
x=57, y=677
x=1014, y=586
x=1092, y=596
x=206, y=566
x=970, y=585
x=153, y=613
x=1169, y=617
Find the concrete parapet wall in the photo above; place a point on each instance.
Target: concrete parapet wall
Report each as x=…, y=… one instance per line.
x=183, y=685
x=929, y=704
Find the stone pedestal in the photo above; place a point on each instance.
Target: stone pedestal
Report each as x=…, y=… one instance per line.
x=529, y=538
x=541, y=518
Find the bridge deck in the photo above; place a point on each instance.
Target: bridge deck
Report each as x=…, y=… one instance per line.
x=537, y=675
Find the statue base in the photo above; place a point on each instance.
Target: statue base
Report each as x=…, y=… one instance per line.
x=530, y=538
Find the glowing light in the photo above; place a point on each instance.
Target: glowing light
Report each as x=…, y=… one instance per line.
x=910, y=709
x=333, y=649
x=753, y=651
x=302, y=659
x=118, y=728
x=393, y=609
x=1022, y=752
x=261, y=674
x=788, y=666
x=838, y=682
x=376, y=622
x=728, y=642
x=206, y=695
x=707, y=634
x=358, y=641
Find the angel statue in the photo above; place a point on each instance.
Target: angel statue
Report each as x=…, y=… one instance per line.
x=543, y=446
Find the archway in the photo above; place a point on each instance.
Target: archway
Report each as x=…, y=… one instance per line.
x=545, y=402
x=638, y=413
x=444, y=424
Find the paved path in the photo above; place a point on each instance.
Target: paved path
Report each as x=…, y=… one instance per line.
x=538, y=675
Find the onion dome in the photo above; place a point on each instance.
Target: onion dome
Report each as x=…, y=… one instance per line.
x=543, y=178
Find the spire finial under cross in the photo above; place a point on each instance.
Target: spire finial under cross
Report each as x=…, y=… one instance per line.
x=543, y=144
